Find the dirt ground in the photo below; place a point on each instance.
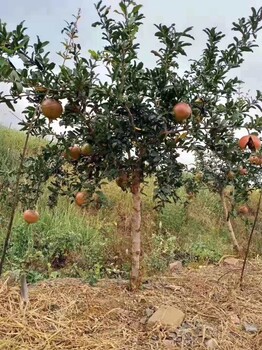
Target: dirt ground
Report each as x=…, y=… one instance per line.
x=69, y=314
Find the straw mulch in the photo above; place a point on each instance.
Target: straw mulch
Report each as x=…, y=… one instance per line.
x=68, y=314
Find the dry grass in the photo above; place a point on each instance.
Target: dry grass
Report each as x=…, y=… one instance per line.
x=68, y=314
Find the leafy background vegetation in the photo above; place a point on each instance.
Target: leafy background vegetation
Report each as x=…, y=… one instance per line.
x=92, y=243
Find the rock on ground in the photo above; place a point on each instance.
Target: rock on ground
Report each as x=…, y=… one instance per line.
x=176, y=266
x=168, y=317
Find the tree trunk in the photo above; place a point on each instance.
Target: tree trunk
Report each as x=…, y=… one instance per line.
x=24, y=288
x=136, y=233
x=229, y=224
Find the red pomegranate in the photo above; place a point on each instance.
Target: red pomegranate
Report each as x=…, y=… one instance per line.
x=182, y=111
x=250, y=141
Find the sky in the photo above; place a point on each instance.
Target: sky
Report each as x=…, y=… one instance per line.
x=47, y=18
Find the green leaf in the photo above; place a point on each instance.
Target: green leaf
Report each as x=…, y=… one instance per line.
x=123, y=8
x=95, y=24
x=98, y=5
x=137, y=8
x=94, y=55
x=10, y=105
x=6, y=50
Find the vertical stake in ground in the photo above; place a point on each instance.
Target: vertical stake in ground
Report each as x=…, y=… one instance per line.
x=250, y=239
x=16, y=196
